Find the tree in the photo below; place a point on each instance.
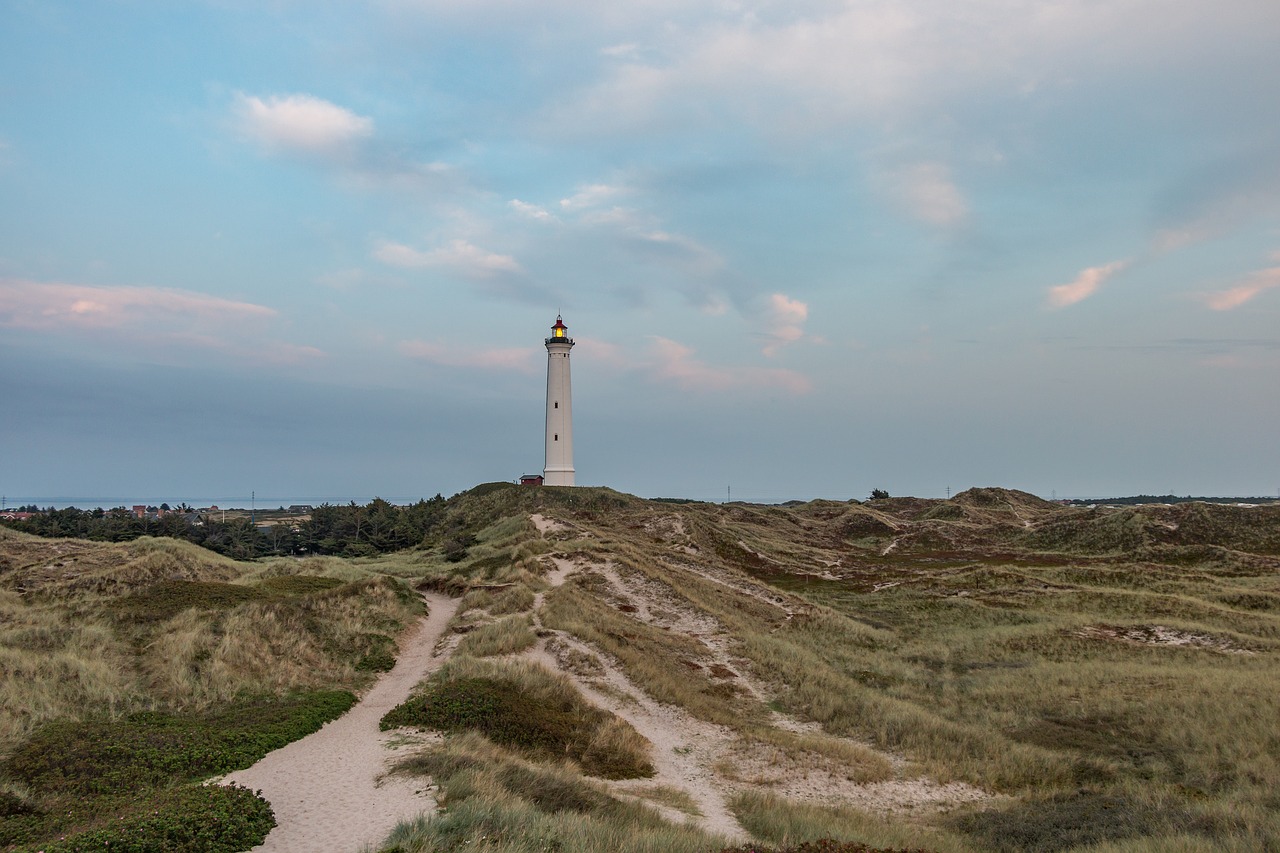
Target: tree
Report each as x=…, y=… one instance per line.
x=878, y=494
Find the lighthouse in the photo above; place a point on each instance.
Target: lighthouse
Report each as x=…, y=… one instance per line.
x=558, y=470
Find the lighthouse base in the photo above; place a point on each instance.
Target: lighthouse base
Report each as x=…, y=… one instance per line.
x=557, y=477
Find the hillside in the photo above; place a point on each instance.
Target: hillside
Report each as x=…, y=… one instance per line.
x=989, y=672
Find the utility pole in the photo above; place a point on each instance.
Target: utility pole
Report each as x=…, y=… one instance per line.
x=253, y=507
x=728, y=494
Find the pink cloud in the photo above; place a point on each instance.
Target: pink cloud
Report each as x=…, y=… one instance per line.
x=1085, y=284
x=674, y=362
x=1234, y=297
x=50, y=305
x=518, y=359
x=786, y=317
x=147, y=318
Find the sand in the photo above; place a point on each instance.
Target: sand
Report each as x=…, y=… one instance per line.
x=330, y=791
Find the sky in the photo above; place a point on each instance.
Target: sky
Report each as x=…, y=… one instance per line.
x=806, y=249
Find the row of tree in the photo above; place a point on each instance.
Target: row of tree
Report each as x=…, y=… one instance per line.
x=353, y=530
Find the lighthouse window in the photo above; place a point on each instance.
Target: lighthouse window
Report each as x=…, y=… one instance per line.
x=557, y=438
x=557, y=404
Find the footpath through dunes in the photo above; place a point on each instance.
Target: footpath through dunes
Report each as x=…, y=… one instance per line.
x=331, y=791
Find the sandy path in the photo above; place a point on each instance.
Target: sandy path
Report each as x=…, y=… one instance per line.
x=329, y=791
x=684, y=748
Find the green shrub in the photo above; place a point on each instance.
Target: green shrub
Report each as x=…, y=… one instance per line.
x=151, y=748
x=162, y=601
x=381, y=654
x=139, y=773
x=547, y=727
x=187, y=819
x=297, y=584
x=1066, y=821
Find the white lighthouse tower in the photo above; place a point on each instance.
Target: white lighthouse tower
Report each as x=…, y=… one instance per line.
x=558, y=470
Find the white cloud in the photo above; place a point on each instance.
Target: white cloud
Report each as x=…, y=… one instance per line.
x=619, y=51
x=518, y=359
x=1256, y=284
x=1084, y=285
x=300, y=123
x=592, y=195
x=531, y=211
x=460, y=256
x=793, y=68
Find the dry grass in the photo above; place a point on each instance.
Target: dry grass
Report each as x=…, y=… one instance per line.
x=993, y=639
x=506, y=636
x=495, y=801
x=89, y=628
x=778, y=821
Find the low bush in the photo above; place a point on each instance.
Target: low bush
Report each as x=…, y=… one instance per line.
x=381, y=654
x=162, y=601
x=1069, y=820
x=822, y=845
x=187, y=819
x=75, y=773
x=555, y=723
x=297, y=584
x=151, y=748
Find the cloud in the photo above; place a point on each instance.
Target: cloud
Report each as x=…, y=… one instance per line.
x=1084, y=285
x=592, y=195
x=927, y=192
x=786, y=318
x=48, y=305
x=518, y=359
x=791, y=68
x=1257, y=283
x=148, y=317
x=300, y=123
x=532, y=211
x=460, y=256
x=677, y=248
x=620, y=51
x=676, y=363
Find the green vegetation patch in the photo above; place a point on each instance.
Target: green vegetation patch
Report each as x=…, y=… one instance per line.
x=380, y=655
x=166, y=599
x=151, y=748
x=1069, y=820
x=552, y=722
x=188, y=819
x=297, y=584
x=822, y=845
x=138, y=772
